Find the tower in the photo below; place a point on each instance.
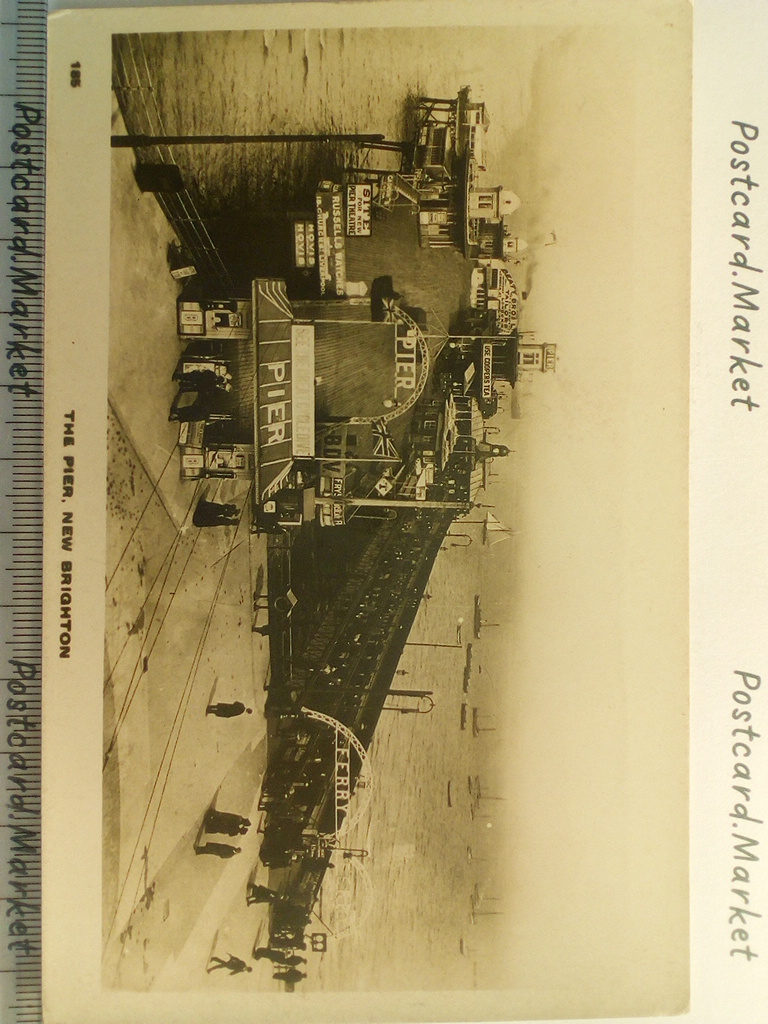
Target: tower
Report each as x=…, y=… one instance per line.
x=491, y=203
x=534, y=356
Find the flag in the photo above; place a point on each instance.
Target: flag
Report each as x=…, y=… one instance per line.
x=382, y=442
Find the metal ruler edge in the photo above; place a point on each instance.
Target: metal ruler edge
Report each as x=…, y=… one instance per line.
x=22, y=201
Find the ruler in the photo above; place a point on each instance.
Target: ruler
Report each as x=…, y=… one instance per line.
x=22, y=197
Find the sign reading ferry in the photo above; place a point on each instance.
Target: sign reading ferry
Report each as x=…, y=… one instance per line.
x=331, y=255
x=359, y=198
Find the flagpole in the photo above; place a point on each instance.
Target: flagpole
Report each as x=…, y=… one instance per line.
x=400, y=503
x=368, y=458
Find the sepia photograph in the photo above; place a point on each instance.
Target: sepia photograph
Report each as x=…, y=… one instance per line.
x=395, y=439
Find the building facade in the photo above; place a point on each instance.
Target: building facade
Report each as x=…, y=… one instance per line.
x=493, y=291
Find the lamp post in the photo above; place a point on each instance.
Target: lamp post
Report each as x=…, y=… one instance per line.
x=421, y=695
x=136, y=141
x=419, y=643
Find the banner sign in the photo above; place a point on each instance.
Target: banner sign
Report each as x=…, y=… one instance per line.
x=386, y=190
x=331, y=256
x=332, y=513
x=405, y=362
x=303, y=372
x=304, y=243
x=359, y=209
x=487, y=368
x=273, y=388
x=513, y=306
x=334, y=448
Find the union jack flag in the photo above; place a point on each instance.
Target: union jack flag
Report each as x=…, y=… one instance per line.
x=382, y=442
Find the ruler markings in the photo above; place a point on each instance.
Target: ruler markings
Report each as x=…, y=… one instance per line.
x=22, y=76
x=23, y=95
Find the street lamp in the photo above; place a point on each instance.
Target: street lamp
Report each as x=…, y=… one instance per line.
x=466, y=535
x=421, y=695
x=373, y=141
x=418, y=643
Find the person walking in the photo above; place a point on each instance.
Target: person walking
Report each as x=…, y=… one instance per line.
x=228, y=709
x=262, y=894
x=292, y=975
x=225, y=823
x=234, y=965
x=215, y=513
x=223, y=850
x=203, y=380
x=277, y=956
x=292, y=961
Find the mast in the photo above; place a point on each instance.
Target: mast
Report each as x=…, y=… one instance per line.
x=459, y=506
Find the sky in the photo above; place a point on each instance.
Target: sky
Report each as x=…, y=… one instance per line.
x=595, y=586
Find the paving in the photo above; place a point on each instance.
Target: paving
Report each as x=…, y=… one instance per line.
x=179, y=616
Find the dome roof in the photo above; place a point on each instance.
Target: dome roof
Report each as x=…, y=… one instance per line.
x=508, y=202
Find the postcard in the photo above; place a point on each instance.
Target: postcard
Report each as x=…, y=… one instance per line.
x=367, y=608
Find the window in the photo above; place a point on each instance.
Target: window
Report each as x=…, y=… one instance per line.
x=530, y=358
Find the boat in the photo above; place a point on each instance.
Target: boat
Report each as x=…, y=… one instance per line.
x=479, y=622
x=477, y=728
x=476, y=900
x=467, y=668
x=494, y=531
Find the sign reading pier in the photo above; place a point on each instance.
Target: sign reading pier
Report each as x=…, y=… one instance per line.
x=283, y=395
